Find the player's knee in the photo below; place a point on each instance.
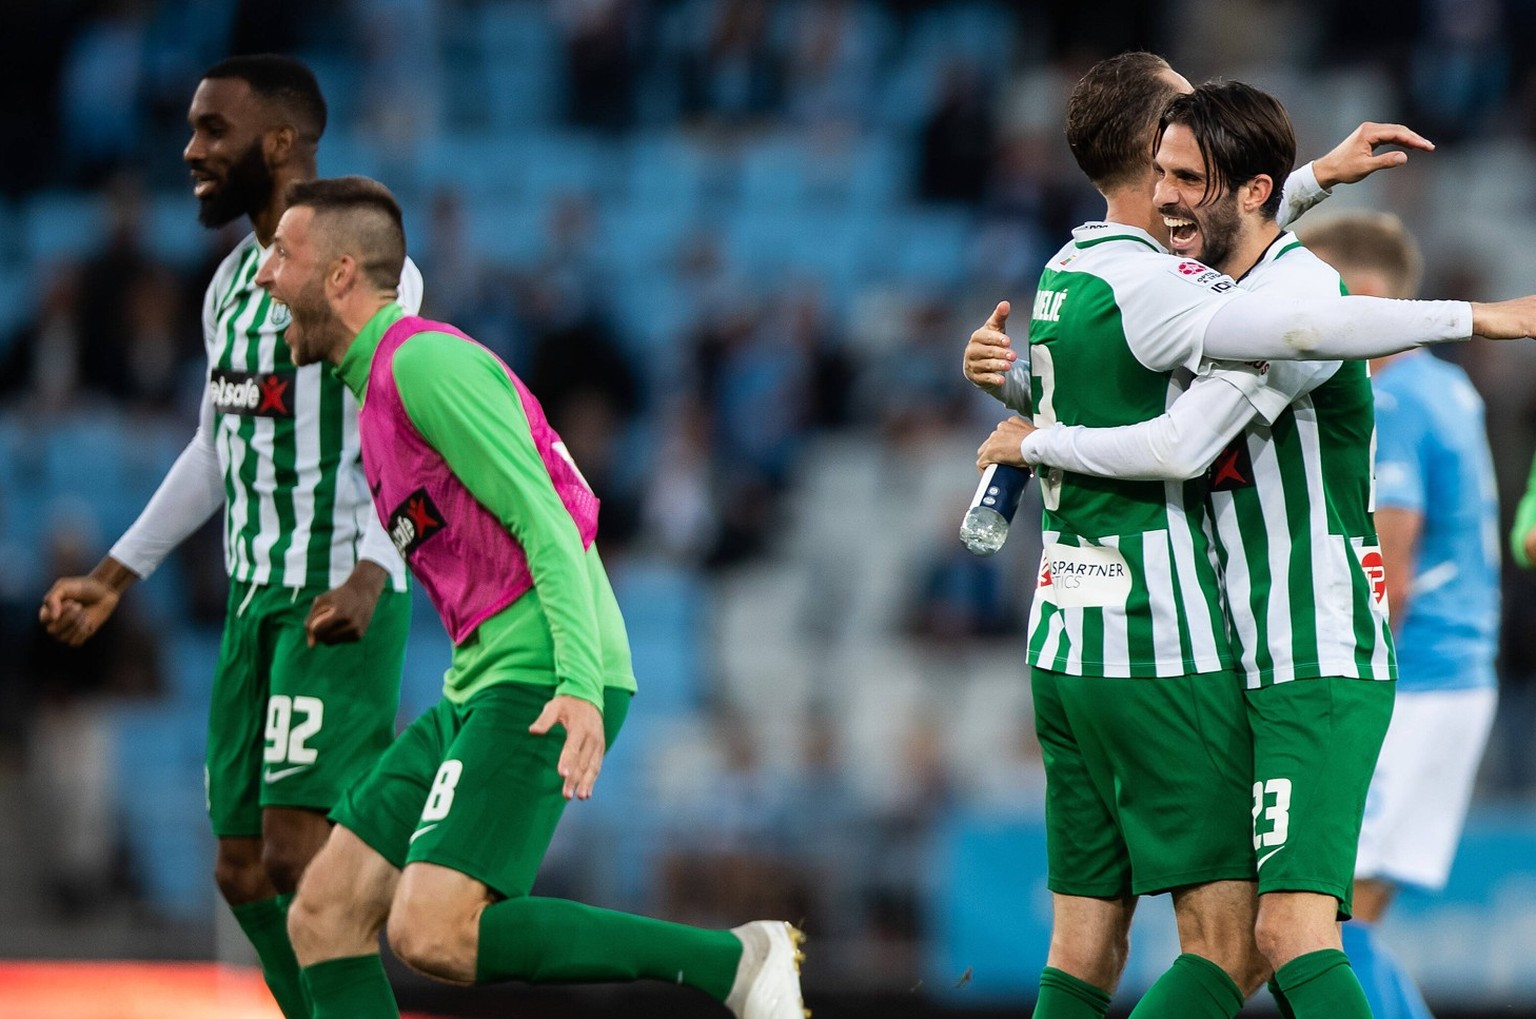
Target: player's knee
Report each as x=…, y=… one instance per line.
x=284, y=865
x=1099, y=963
x=433, y=941
x=240, y=877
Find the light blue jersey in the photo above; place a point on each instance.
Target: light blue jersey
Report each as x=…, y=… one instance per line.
x=1432, y=457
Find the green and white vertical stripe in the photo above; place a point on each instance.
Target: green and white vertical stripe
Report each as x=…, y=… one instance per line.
x=296, y=502
x=1293, y=542
x=1168, y=620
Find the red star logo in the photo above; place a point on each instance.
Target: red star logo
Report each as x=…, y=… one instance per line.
x=1227, y=468
x=272, y=389
x=421, y=516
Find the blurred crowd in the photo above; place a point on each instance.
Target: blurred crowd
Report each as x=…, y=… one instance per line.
x=735, y=247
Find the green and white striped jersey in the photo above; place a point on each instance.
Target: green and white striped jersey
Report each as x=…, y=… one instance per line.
x=1128, y=583
x=1292, y=499
x=296, y=504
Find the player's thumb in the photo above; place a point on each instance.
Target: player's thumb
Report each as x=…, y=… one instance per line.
x=999, y=319
x=546, y=720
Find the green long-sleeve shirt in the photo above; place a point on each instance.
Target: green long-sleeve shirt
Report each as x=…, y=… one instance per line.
x=1525, y=519
x=567, y=629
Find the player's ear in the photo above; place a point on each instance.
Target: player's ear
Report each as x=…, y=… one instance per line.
x=343, y=274
x=278, y=144
x=1257, y=191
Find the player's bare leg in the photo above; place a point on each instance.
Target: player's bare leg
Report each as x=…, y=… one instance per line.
x=1220, y=964
x=290, y=838
x=1298, y=932
x=334, y=923
x=1090, y=941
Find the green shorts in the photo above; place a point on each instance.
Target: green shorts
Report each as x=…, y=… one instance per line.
x=291, y=725
x=1315, y=743
x=1147, y=782
x=467, y=786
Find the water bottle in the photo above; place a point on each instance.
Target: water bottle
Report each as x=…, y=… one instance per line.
x=985, y=526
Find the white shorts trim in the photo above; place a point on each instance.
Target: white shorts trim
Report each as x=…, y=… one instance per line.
x=1422, y=786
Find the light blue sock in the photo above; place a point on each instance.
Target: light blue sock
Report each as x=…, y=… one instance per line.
x=1390, y=991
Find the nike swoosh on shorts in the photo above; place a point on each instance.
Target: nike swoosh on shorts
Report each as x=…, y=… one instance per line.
x=1263, y=859
x=272, y=776
x=419, y=832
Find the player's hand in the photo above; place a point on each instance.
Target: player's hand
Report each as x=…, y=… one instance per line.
x=1505, y=320
x=989, y=353
x=342, y=614
x=76, y=607
x=582, y=757
x=1355, y=158
x=1002, y=446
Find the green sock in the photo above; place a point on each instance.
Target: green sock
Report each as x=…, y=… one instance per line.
x=1284, y=1003
x=1194, y=987
x=556, y=941
x=1322, y=985
x=1064, y=996
x=266, y=925
x=351, y=988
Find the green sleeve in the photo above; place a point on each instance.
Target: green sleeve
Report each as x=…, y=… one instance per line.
x=1525, y=519
x=462, y=402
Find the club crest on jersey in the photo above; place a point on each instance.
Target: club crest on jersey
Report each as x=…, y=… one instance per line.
x=251, y=394
x=414, y=521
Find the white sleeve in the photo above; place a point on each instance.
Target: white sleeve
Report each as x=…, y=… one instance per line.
x=1302, y=192
x=1176, y=446
x=1272, y=387
x=376, y=546
x=1259, y=326
x=411, y=288
x=192, y=491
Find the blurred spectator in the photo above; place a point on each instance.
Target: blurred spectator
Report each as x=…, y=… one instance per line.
x=957, y=139
x=601, y=64
x=732, y=75
x=831, y=64
x=32, y=47
x=70, y=758
x=99, y=100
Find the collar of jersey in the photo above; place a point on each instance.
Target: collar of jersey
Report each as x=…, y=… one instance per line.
x=1099, y=231
x=357, y=362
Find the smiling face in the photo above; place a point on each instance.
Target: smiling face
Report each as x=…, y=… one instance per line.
x=294, y=274
x=1203, y=220
x=225, y=154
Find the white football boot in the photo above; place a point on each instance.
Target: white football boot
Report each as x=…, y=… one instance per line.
x=768, y=978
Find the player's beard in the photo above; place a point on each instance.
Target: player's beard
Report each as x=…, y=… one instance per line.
x=314, y=327
x=1220, y=225
x=247, y=189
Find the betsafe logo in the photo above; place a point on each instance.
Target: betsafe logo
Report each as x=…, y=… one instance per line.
x=414, y=521
x=251, y=394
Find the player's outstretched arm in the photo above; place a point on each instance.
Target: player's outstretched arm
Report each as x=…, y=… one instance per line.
x=76, y=607
x=1355, y=158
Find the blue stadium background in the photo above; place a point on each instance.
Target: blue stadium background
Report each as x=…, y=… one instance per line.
x=736, y=247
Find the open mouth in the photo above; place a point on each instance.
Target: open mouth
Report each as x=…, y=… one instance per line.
x=203, y=184
x=1183, y=234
